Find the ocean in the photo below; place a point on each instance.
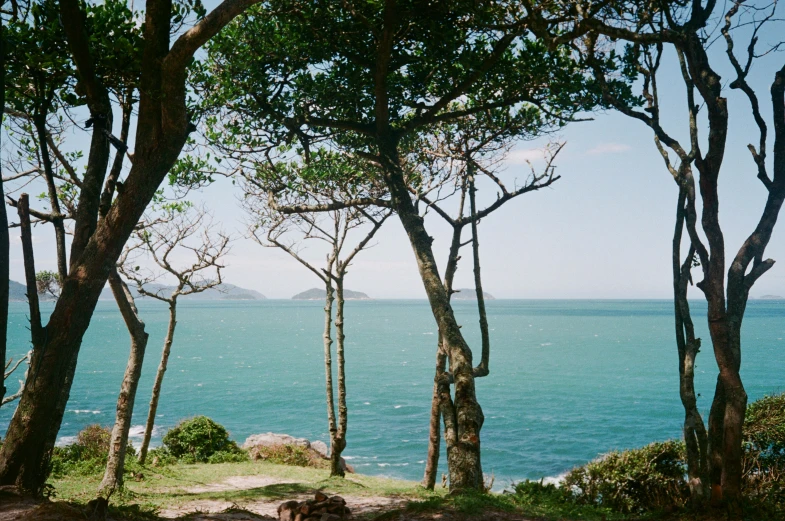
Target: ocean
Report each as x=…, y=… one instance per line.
x=570, y=379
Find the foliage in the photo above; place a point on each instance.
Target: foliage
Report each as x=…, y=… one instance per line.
x=160, y=457
x=48, y=282
x=288, y=455
x=638, y=480
x=652, y=478
x=86, y=456
x=764, y=453
x=548, y=501
x=197, y=439
x=228, y=456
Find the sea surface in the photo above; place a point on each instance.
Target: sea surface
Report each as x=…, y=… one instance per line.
x=570, y=380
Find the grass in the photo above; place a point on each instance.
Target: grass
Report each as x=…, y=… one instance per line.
x=176, y=485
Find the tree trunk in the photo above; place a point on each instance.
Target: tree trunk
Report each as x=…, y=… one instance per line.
x=694, y=430
x=465, y=467
x=57, y=221
x=731, y=407
x=338, y=441
x=439, y=387
x=159, y=377
x=434, y=430
x=4, y=243
x=335, y=447
x=113, y=476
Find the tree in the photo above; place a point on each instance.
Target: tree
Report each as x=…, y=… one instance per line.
x=182, y=230
x=162, y=128
x=715, y=458
x=369, y=78
x=471, y=156
x=312, y=184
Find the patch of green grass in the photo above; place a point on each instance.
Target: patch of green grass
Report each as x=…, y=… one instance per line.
x=175, y=485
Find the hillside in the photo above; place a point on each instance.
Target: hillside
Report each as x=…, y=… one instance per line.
x=319, y=294
x=222, y=292
x=470, y=294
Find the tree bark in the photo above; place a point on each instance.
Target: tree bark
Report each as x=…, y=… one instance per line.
x=113, y=476
x=338, y=437
x=439, y=387
x=465, y=465
x=694, y=430
x=159, y=378
x=4, y=240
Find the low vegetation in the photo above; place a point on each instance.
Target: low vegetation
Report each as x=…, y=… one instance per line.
x=644, y=483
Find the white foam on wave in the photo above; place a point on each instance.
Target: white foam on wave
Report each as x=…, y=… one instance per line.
x=554, y=480
x=65, y=440
x=84, y=411
x=137, y=431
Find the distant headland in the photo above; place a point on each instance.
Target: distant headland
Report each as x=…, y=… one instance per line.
x=319, y=294
x=771, y=297
x=18, y=293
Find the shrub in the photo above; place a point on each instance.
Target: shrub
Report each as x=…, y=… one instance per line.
x=288, y=455
x=196, y=439
x=638, y=480
x=764, y=453
x=223, y=456
x=160, y=457
x=86, y=456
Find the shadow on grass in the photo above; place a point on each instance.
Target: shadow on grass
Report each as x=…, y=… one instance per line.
x=276, y=491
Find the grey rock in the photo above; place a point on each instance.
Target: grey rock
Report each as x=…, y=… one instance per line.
x=321, y=448
x=271, y=439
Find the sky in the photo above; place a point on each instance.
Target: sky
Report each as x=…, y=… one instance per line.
x=602, y=231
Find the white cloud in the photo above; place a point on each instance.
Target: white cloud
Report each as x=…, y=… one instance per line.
x=520, y=157
x=609, y=148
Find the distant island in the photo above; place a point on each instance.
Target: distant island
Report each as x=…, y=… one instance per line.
x=470, y=294
x=771, y=297
x=18, y=293
x=319, y=294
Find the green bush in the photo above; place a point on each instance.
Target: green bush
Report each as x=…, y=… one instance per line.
x=86, y=456
x=764, y=454
x=638, y=480
x=196, y=439
x=160, y=457
x=223, y=456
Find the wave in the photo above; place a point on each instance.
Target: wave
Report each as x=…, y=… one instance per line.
x=83, y=411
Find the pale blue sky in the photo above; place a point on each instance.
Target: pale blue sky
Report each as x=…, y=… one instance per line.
x=603, y=231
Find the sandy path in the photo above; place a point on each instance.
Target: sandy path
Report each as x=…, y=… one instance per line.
x=268, y=508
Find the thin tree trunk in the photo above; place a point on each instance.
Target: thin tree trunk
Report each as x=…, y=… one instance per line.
x=695, y=436
x=57, y=221
x=465, y=464
x=113, y=476
x=327, y=337
x=338, y=438
x=439, y=387
x=483, y=369
x=4, y=242
x=159, y=377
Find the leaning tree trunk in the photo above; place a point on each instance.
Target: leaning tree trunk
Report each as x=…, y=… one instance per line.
x=113, y=476
x=159, y=378
x=695, y=436
x=464, y=465
x=338, y=437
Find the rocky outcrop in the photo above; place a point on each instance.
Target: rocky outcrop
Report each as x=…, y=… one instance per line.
x=272, y=439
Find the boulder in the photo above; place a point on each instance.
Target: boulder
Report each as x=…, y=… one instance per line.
x=271, y=439
x=321, y=448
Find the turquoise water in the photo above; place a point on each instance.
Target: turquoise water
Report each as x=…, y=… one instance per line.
x=569, y=379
